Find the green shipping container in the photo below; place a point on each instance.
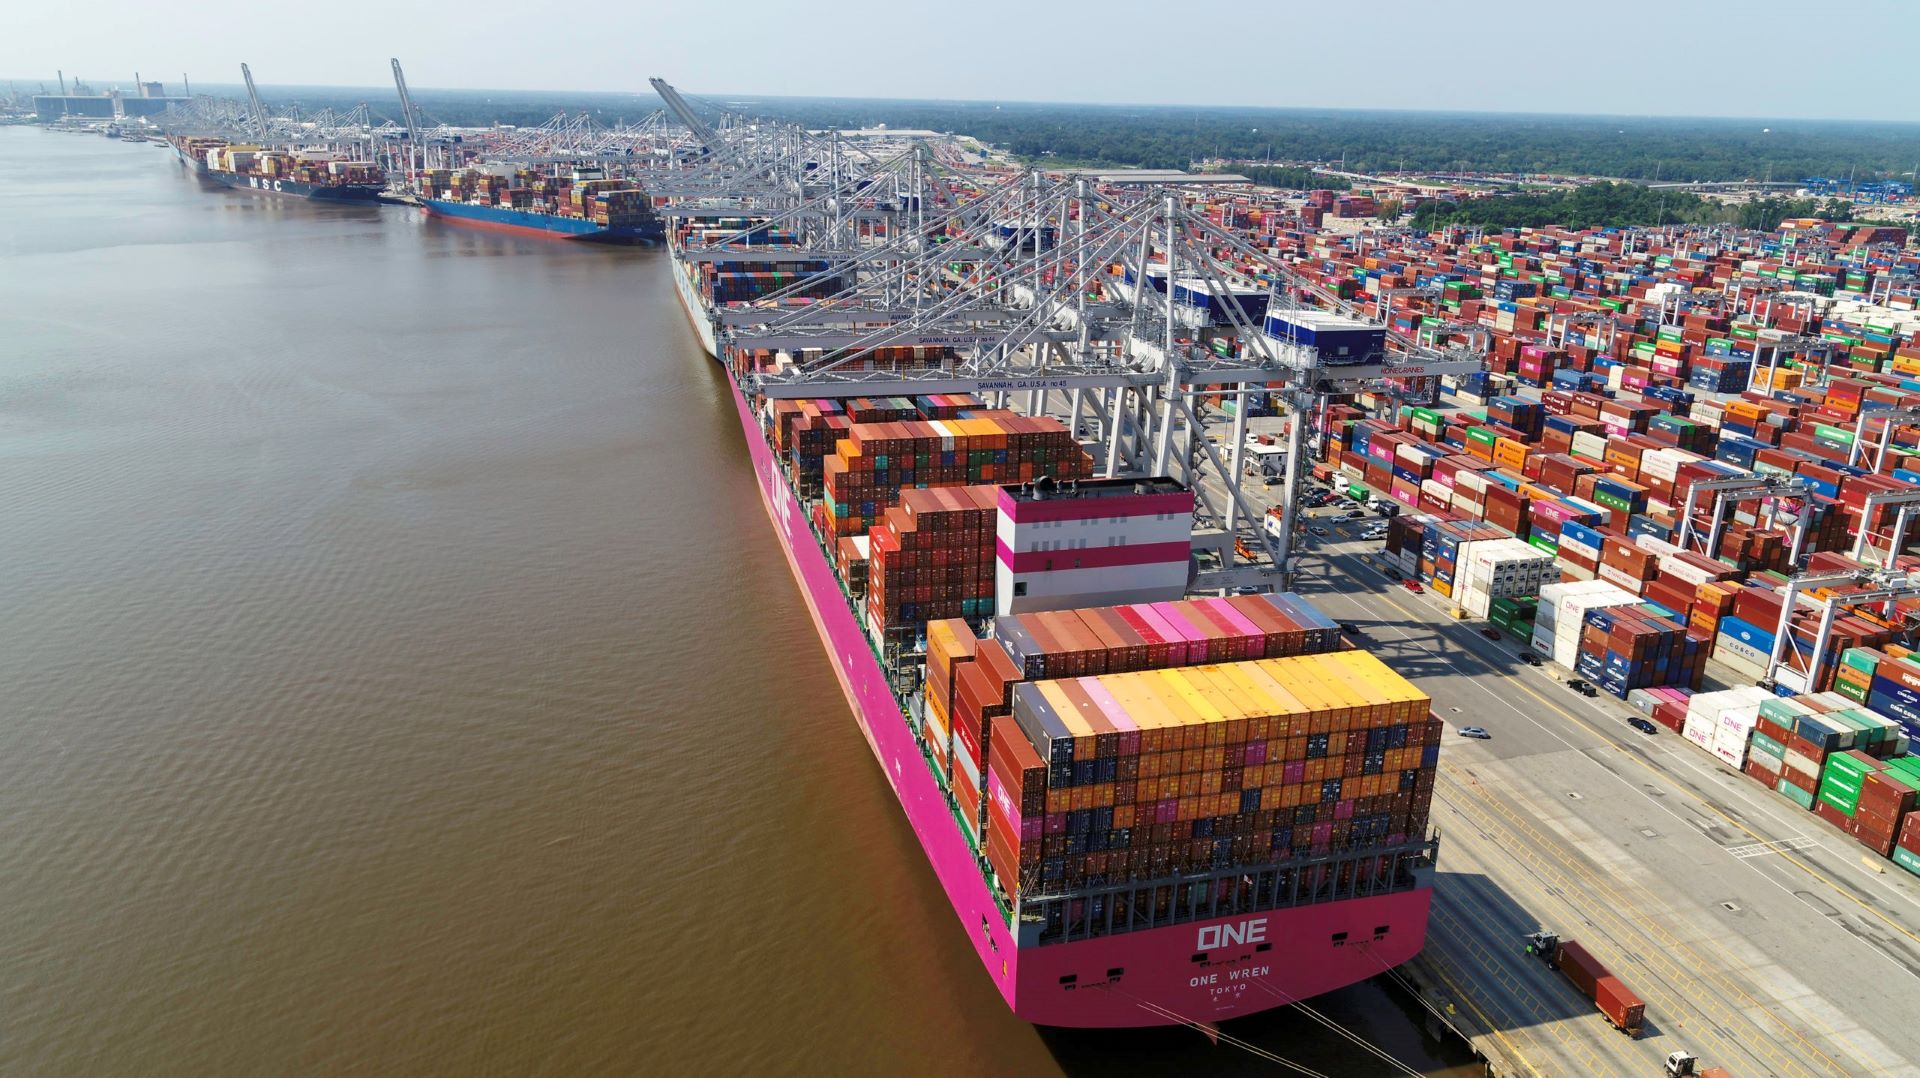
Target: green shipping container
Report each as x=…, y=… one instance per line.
x=1794, y=794
x=1544, y=542
x=1847, y=803
x=1846, y=768
x=1859, y=660
x=1518, y=608
x=1907, y=859
x=1763, y=743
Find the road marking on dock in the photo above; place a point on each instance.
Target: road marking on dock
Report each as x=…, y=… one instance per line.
x=1644, y=764
x=1780, y=845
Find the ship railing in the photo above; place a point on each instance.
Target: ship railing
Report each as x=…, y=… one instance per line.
x=1139, y=906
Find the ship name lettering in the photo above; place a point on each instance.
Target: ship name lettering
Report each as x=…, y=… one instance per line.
x=1248, y=974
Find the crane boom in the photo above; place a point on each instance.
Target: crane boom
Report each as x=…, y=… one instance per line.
x=685, y=114
x=253, y=99
x=411, y=114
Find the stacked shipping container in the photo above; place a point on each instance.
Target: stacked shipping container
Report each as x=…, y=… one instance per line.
x=1148, y=774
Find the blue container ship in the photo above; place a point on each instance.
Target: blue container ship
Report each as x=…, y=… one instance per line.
x=574, y=202
x=540, y=223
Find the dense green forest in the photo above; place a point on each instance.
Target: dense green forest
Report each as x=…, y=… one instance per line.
x=1625, y=147
x=1167, y=137
x=1612, y=205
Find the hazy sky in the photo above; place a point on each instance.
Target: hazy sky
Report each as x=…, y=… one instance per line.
x=1761, y=58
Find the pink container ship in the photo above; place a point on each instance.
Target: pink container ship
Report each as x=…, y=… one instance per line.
x=1188, y=915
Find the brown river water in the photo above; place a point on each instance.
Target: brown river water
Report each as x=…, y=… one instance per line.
x=398, y=675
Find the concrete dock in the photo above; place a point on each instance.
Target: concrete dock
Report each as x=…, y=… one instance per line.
x=1761, y=939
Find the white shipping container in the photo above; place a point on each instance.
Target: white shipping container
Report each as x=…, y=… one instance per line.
x=1579, y=573
x=1589, y=445
x=1804, y=764
x=1698, y=729
x=1658, y=464
x=1621, y=578
x=1572, y=543
x=1686, y=572
x=1791, y=680
x=1725, y=645
x=1653, y=545
x=1542, y=645
x=1742, y=667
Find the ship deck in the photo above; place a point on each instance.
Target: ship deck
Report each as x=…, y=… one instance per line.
x=1285, y=945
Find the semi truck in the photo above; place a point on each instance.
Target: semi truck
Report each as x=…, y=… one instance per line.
x=1626, y=1011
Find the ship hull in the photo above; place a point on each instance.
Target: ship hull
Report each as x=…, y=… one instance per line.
x=1142, y=978
x=194, y=164
x=552, y=226
x=344, y=192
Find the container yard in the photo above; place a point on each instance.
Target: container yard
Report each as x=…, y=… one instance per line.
x=1586, y=549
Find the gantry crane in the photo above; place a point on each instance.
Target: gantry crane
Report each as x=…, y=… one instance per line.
x=1016, y=292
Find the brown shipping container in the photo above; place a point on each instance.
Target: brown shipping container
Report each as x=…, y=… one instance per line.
x=1615, y=1000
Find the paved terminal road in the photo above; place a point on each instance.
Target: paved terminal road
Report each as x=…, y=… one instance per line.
x=1760, y=938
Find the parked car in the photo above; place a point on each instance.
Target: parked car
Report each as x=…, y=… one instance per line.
x=1475, y=732
x=1350, y=628
x=1356, y=514
x=1412, y=586
x=1580, y=686
x=1491, y=634
x=1643, y=725
x=1530, y=658
x=1393, y=575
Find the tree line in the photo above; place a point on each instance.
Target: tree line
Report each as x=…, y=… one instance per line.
x=1622, y=205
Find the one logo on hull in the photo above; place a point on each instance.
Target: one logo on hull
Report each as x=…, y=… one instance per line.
x=1232, y=935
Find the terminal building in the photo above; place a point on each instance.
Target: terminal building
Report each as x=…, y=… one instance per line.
x=87, y=104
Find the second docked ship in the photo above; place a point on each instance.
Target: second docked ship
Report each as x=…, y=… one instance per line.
x=575, y=203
